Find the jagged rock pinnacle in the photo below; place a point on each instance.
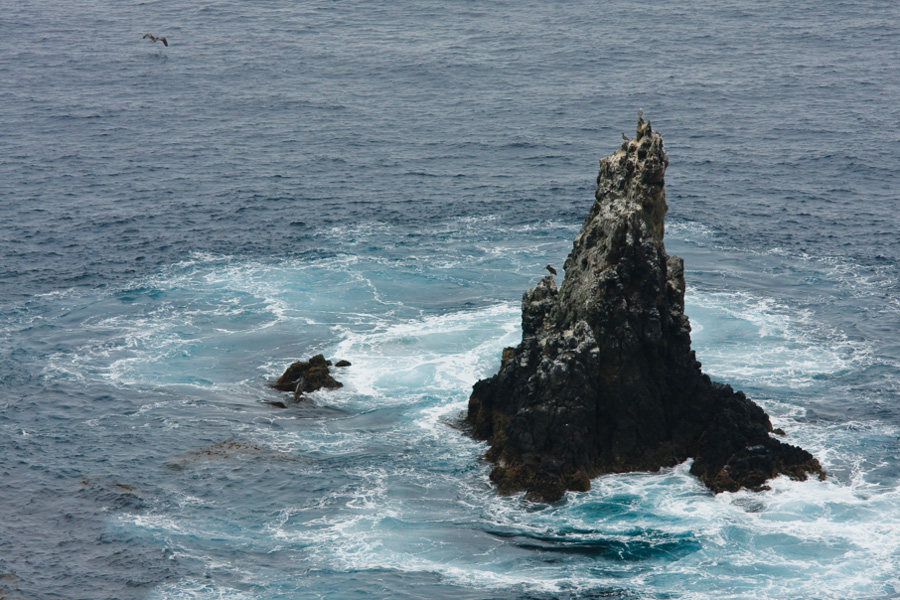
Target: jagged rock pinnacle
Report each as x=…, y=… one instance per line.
x=604, y=379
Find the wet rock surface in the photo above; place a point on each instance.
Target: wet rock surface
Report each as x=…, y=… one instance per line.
x=604, y=379
x=304, y=377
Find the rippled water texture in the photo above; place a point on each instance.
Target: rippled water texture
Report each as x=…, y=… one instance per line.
x=380, y=182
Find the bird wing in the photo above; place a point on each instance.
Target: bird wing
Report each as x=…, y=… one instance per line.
x=163, y=40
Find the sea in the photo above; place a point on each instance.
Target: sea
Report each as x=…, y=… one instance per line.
x=380, y=181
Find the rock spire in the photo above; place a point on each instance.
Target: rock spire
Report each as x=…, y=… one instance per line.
x=604, y=379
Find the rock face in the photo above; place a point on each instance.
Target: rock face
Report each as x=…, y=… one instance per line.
x=605, y=380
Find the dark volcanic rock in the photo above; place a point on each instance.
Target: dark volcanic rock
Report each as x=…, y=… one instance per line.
x=303, y=377
x=605, y=379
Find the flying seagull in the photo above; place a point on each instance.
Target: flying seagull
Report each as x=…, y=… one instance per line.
x=153, y=38
x=551, y=269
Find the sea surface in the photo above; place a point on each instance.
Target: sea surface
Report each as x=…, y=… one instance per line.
x=380, y=182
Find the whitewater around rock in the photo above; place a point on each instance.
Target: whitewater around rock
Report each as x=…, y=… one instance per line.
x=604, y=380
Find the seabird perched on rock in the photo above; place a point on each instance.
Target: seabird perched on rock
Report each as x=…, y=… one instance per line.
x=551, y=269
x=153, y=38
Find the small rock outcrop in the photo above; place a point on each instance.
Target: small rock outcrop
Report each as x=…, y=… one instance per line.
x=303, y=377
x=604, y=380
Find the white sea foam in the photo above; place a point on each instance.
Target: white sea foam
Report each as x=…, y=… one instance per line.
x=689, y=231
x=199, y=589
x=747, y=339
x=179, y=328
x=441, y=354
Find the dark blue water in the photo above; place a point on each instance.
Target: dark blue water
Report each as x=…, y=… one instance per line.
x=380, y=182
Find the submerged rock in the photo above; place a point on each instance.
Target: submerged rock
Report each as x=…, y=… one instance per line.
x=604, y=380
x=226, y=450
x=303, y=377
x=9, y=586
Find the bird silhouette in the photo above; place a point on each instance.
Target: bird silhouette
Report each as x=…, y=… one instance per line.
x=551, y=269
x=153, y=38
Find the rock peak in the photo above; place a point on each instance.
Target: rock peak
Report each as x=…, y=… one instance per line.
x=604, y=379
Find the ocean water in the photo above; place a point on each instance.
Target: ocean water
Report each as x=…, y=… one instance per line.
x=380, y=182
